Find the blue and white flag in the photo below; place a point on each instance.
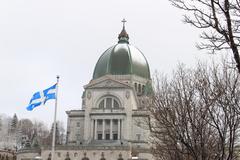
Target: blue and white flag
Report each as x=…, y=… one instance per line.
x=41, y=97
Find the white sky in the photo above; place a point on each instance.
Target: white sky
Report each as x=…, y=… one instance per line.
x=40, y=39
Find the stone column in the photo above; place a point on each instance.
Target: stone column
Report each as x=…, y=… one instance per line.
x=122, y=129
x=103, y=129
x=95, y=130
x=119, y=128
x=111, y=136
x=92, y=129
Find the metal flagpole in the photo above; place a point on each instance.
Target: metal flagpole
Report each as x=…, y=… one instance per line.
x=54, y=122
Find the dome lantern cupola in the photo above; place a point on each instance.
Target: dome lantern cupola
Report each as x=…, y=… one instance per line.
x=123, y=36
x=122, y=59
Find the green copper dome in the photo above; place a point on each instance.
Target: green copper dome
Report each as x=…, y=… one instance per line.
x=122, y=59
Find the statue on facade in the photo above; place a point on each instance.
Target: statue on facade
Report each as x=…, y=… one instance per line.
x=67, y=156
x=120, y=156
x=85, y=156
x=102, y=156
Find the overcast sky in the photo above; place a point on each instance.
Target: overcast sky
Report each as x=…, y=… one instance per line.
x=40, y=39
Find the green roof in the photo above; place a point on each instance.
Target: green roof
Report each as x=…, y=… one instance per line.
x=122, y=59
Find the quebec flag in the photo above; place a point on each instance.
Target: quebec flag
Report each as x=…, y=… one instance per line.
x=41, y=97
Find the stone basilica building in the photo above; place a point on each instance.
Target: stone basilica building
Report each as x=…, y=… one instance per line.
x=110, y=125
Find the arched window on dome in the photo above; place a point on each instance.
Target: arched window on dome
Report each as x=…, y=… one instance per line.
x=135, y=86
x=139, y=88
x=109, y=102
x=143, y=89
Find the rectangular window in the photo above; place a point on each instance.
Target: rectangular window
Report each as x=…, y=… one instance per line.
x=115, y=136
x=138, y=137
x=107, y=121
x=115, y=122
x=99, y=122
x=99, y=136
x=78, y=124
x=78, y=136
x=107, y=136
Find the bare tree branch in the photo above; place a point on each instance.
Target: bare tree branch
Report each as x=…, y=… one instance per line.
x=219, y=20
x=195, y=115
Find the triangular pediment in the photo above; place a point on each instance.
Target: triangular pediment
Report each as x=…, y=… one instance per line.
x=107, y=83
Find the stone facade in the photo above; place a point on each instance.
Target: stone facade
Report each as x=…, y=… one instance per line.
x=111, y=117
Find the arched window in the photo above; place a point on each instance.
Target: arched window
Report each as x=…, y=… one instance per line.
x=135, y=86
x=109, y=103
x=101, y=104
x=143, y=89
x=139, y=88
x=115, y=104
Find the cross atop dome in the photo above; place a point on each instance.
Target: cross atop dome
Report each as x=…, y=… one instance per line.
x=123, y=21
x=123, y=36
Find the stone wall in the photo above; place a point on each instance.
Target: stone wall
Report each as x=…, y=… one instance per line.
x=79, y=153
x=28, y=154
x=7, y=155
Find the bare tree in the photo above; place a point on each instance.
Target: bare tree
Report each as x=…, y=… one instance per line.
x=219, y=20
x=195, y=114
x=25, y=126
x=59, y=136
x=41, y=131
x=32, y=131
